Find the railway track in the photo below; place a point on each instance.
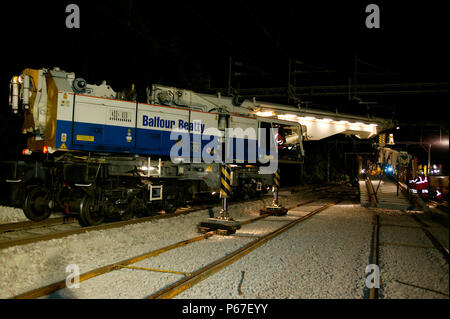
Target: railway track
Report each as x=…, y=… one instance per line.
x=30, y=233
x=25, y=225
x=420, y=226
x=441, y=205
x=189, y=281
x=27, y=232
x=192, y=278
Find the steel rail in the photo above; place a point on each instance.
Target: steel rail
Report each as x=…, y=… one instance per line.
x=373, y=292
x=39, y=292
x=438, y=202
x=373, y=198
x=4, y=228
x=81, y=230
x=201, y=274
x=46, y=290
x=413, y=198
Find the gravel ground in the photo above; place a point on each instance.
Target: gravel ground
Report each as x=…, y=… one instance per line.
x=322, y=257
x=14, y=215
x=438, y=230
x=11, y=215
x=405, y=266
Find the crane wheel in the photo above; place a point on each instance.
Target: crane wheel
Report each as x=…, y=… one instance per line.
x=90, y=215
x=36, y=203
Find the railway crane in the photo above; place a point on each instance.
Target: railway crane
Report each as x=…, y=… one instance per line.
x=96, y=153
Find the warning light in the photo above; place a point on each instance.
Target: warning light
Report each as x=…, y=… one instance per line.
x=265, y=114
x=45, y=150
x=391, y=139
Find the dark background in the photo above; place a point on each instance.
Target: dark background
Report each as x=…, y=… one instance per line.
x=188, y=44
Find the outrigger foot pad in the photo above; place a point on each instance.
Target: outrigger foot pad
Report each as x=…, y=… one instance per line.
x=221, y=226
x=274, y=210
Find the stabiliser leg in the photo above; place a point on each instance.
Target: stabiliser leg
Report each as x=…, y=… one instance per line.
x=275, y=208
x=223, y=224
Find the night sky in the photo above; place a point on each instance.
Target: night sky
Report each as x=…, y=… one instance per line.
x=188, y=44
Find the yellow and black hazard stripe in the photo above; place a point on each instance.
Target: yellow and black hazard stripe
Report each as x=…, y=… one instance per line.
x=382, y=139
x=276, y=180
x=225, y=181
